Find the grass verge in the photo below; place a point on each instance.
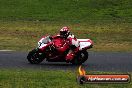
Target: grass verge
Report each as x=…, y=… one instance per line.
x=74, y=11
x=48, y=79
x=23, y=35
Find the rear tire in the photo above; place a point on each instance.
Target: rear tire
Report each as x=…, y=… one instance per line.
x=34, y=57
x=80, y=58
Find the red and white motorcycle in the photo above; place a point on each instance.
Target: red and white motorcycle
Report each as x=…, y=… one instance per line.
x=46, y=50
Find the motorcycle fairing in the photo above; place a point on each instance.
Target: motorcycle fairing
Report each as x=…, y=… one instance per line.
x=85, y=43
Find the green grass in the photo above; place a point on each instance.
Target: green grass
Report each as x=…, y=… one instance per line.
x=73, y=11
x=23, y=35
x=107, y=22
x=48, y=79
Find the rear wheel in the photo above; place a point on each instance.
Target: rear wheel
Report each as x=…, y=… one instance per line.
x=80, y=58
x=34, y=57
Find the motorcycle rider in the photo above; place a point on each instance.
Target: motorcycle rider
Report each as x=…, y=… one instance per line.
x=67, y=41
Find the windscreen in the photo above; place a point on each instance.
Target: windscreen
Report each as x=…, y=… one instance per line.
x=46, y=40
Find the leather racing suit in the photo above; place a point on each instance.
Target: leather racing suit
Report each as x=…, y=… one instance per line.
x=62, y=44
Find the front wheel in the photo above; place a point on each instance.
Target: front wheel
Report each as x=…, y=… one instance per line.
x=80, y=58
x=34, y=57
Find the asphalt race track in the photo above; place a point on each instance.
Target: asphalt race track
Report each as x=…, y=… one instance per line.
x=98, y=61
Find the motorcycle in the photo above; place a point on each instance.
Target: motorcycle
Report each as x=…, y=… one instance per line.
x=47, y=50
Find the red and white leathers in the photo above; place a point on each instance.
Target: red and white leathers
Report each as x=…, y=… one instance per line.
x=62, y=44
x=75, y=43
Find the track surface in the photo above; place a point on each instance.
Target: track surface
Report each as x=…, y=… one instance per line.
x=98, y=61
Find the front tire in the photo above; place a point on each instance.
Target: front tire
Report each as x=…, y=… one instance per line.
x=34, y=57
x=80, y=58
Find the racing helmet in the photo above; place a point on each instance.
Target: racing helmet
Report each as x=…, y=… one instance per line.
x=64, y=32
